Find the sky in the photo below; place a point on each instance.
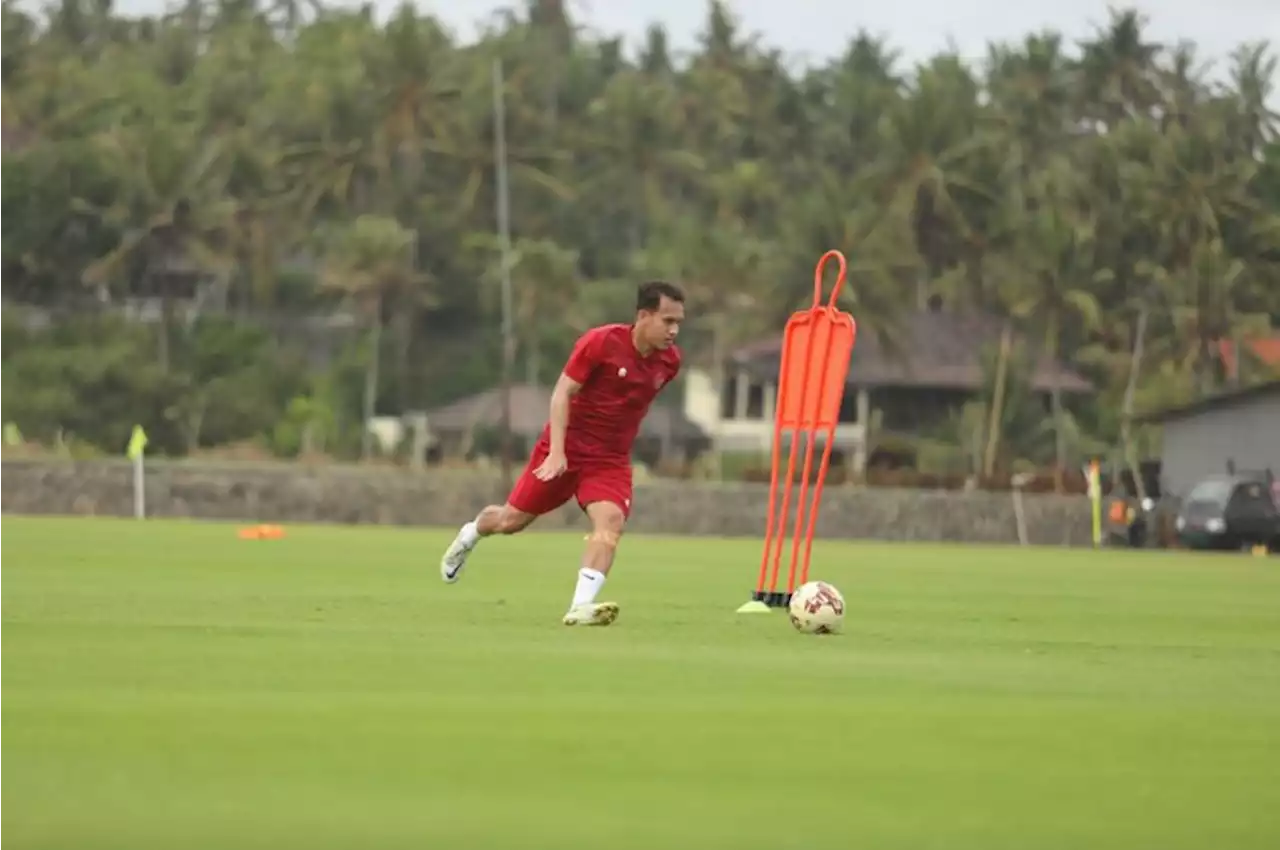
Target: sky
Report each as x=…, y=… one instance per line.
x=815, y=30
x=819, y=29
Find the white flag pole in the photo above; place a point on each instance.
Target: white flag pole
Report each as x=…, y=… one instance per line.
x=137, y=448
x=139, y=488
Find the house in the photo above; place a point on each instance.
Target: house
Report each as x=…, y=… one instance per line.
x=471, y=422
x=1237, y=429
x=934, y=366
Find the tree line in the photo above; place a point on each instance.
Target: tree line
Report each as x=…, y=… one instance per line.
x=293, y=189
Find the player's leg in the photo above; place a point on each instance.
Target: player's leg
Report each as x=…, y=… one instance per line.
x=494, y=519
x=529, y=499
x=605, y=495
x=504, y=519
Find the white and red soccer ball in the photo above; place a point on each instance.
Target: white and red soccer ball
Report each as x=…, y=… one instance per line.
x=817, y=608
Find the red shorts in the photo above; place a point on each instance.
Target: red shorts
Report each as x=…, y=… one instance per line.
x=604, y=482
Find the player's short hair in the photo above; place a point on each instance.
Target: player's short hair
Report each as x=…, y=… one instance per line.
x=650, y=294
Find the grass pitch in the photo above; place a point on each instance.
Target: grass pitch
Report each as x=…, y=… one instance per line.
x=167, y=685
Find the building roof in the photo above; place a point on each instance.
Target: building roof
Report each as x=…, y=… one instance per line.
x=1211, y=402
x=529, y=406
x=1266, y=349
x=934, y=349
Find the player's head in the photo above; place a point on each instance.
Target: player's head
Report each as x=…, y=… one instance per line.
x=659, y=312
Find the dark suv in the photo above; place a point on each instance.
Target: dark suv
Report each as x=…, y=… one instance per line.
x=1230, y=512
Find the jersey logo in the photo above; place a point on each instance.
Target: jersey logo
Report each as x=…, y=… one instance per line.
x=622, y=373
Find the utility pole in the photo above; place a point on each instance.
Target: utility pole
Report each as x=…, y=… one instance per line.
x=504, y=242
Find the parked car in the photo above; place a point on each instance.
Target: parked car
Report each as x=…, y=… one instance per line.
x=1230, y=512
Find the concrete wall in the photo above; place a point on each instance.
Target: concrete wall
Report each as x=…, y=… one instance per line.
x=286, y=493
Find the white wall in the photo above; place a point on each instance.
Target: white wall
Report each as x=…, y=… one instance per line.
x=1247, y=432
x=702, y=407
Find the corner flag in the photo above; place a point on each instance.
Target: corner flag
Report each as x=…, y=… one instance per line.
x=137, y=443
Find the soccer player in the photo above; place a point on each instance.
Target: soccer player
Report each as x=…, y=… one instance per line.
x=584, y=451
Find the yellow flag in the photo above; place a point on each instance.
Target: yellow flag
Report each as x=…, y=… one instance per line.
x=137, y=443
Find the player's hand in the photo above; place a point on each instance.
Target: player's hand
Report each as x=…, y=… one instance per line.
x=552, y=467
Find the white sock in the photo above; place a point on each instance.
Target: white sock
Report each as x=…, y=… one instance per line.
x=469, y=535
x=589, y=583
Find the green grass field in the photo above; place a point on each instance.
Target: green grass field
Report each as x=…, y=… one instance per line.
x=170, y=686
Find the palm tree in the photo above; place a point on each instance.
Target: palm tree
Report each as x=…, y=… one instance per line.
x=1057, y=256
x=544, y=284
x=1205, y=296
x=1117, y=70
x=637, y=161
x=930, y=140
x=1253, y=84
x=880, y=251
x=174, y=219
x=1031, y=93
x=373, y=263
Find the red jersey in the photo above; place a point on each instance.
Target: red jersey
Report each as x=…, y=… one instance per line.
x=618, y=385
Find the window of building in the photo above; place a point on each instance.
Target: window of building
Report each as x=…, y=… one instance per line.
x=755, y=400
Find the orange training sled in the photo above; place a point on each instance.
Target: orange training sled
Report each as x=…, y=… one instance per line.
x=816, y=347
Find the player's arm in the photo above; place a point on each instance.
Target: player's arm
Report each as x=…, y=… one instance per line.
x=565, y=389
x=577, y=371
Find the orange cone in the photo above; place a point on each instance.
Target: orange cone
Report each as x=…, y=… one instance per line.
x=262, y=532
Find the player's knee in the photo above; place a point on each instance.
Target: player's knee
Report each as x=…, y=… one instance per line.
x=511, y=521
x=606, y=525
x=604, y=537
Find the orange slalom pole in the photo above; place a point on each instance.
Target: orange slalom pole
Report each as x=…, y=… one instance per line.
x=769, y=528
x=817, y=498
x=800, y=513
x=786, y=505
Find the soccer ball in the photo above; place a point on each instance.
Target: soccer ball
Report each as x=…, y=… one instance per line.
x=817, y=608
